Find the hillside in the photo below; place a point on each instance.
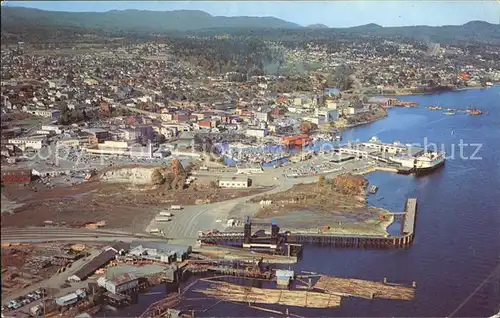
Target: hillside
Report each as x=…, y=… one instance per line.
x=23, y=21
x=134, y=20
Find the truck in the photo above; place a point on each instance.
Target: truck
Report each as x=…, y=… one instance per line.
x=176, y=207
x=165, y=213
x=162, y=219
x=35, y=311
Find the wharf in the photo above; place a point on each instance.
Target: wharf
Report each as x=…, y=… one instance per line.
x=404, y=239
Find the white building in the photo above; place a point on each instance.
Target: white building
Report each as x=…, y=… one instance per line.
x=330, y=104
x=264, y=115
x=327, y=115
x=256, y=132
x=234, y=182
x=35, y=142
x=249, y=168
x=129, y=134
x=119, y=284
x=52, y=114
x=52, y=128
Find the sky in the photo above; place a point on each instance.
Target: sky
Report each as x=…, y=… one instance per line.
x=330, y=13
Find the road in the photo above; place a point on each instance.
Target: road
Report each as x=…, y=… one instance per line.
x=50, y=234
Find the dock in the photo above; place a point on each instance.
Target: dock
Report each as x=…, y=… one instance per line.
x=403, y=240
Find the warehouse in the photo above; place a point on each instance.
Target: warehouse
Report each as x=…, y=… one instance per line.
x=101, y=260
x=120, y=284
x=235, y=183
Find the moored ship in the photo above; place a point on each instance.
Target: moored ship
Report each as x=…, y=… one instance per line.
x=421, y=164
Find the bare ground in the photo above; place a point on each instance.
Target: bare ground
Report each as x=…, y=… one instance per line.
x=336, y=206
x=122, y=207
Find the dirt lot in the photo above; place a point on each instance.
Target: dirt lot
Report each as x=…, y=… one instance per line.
x=330, y=206
x=122, y=207
x=23, y=266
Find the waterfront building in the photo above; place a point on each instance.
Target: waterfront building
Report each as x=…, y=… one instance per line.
x=120, y=284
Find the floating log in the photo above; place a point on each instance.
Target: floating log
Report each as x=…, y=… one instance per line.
x=236, y=293
x=364, y=288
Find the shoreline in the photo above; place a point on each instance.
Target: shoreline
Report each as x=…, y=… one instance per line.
x=411, y=92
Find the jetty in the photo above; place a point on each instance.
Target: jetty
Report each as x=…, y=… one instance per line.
x=403, y=240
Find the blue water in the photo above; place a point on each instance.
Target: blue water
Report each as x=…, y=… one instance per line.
x=457, y=242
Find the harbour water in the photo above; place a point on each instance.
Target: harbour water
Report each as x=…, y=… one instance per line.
x=457, y=243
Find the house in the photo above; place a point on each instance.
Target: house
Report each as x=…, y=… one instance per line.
x=234, y=182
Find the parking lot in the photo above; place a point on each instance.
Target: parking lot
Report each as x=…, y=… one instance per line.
x=22, y=301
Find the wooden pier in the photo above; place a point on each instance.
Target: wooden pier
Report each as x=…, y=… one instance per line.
x=404, y=239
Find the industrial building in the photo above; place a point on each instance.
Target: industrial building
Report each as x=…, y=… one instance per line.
x=249, y=168
x=235, y=183
x=165, y=253
x=101, y=260
x=120, y=284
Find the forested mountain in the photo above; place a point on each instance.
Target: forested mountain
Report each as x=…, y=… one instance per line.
x=21, y=21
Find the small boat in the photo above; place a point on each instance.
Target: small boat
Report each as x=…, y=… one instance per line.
x=373, y=189
x=449, y=113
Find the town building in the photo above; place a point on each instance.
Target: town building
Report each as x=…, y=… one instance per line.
x=263, y=115
x=249, y=168
x=52, y=114
x=256, y=132
x=234, y=182
x=23, y=143
x=16, y=176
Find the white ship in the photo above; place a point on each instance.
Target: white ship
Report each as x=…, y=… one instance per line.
x=423, y=163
